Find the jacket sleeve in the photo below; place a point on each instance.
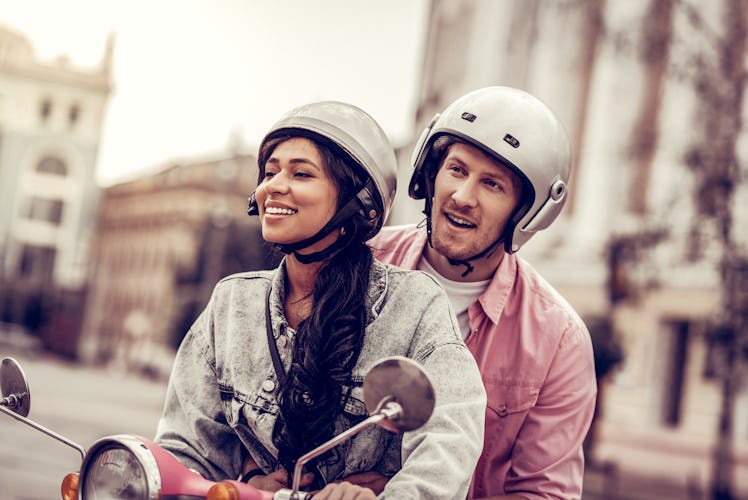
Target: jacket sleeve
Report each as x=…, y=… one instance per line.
x=193, y=426
x=439, y=458
x=547, y=459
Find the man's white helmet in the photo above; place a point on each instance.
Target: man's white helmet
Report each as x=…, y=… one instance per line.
x=516, y=129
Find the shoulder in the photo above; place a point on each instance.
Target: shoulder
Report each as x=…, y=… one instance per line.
x=391, y=238
x=248, y=281
x=247, y=278
x=398, y=277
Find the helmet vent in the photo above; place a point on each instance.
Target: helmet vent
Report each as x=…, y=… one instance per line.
x=468, y=116
x=511, y=140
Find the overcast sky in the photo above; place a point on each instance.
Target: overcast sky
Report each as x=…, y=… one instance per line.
x=189, y=74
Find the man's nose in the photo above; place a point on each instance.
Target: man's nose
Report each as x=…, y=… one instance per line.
x=465, y=194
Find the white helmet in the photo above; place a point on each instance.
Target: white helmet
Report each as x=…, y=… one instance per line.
x=360, y=136
x=516, y=129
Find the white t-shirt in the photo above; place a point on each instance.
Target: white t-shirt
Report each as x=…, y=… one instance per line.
x=460, y=293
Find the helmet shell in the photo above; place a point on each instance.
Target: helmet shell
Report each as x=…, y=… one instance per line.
x=359, y=135
x=518, y=130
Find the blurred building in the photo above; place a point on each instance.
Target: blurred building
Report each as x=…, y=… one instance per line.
x=630, y=82
x=162, y=243
x=51, y=117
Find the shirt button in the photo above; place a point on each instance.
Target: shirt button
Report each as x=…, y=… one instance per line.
x=268, y=385
x=502, y=410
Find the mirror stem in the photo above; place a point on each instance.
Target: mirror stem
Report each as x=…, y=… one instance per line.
x=388, y=410
x=46, y=431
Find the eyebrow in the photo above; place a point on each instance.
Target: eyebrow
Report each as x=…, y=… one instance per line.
x=294, y=161
x=502, y=172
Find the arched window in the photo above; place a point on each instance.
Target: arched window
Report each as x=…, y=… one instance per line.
x=51, y=165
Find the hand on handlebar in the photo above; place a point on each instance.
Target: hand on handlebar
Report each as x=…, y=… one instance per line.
x=344, y=491
x=278, y=479
x=371, y=480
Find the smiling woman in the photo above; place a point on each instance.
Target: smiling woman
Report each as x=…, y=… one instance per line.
x=296, y=195
x=288, y=348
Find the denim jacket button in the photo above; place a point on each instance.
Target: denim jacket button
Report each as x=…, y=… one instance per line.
x=502, y=410
x=268, y=385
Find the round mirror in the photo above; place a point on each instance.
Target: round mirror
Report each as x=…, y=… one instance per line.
x=403, y=381
x=15, y=389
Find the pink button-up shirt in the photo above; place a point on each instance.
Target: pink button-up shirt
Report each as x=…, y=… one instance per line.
x=535, y=356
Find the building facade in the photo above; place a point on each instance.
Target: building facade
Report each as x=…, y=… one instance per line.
x=629, y=80
x=162, y=243
x=51, y=117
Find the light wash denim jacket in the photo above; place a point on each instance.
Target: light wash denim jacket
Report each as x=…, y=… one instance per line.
x=220, y=404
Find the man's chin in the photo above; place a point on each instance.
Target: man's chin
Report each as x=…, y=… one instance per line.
x=451, y=253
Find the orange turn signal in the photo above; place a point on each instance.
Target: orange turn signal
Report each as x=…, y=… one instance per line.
x=224, y=490
x=69, y=487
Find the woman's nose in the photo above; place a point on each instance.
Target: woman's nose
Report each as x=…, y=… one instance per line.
x=276, y=184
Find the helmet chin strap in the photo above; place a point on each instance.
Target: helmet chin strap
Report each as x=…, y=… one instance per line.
x=335, y=223
x=466, y=262
x=322, y=254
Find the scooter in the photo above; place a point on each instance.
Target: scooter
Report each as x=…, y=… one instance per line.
x=398, y=396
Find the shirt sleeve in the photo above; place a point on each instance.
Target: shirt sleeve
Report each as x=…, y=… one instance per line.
x=547, y=460
x=193, y=426
x=439, y=458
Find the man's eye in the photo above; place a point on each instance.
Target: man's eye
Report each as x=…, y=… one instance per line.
x=495, y=185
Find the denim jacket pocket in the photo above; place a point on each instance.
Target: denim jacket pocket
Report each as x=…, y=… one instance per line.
x=368, y=446
x=252, y=418
x=258, y=410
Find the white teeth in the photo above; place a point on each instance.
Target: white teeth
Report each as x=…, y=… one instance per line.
x=278, y=210
x=461, y=222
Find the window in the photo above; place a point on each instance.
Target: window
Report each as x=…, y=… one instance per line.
x=45, y=110
x=675, y=373
x=52, y=165
x=37, y=263
x=45, y=209
x=73, y=114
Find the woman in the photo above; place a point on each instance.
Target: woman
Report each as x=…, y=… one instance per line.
x=274, y=365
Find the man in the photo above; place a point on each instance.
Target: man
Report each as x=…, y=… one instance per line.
x=493, y=170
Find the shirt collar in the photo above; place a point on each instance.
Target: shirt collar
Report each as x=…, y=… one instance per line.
x=497, y=293
x=495, y=297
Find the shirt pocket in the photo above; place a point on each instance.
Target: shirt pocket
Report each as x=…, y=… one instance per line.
x=509, y=402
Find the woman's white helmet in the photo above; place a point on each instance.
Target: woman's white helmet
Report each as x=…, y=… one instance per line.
x=360, y=136
x=516, y=129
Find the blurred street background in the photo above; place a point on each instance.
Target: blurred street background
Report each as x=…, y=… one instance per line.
x=80, y=402
x=125, y=170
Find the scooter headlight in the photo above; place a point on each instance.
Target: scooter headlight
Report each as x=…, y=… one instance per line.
x=119, y=468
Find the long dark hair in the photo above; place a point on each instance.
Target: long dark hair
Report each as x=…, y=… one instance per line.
x=329, y=341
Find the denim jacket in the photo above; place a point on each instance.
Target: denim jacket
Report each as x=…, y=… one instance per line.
x=221, y=406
